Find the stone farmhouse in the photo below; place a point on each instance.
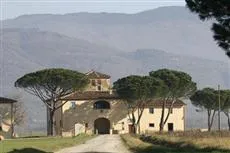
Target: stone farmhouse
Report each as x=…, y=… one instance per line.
x=99, y=110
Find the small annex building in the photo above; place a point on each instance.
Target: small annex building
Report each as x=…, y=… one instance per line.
x=99, y=110
x=6, y=126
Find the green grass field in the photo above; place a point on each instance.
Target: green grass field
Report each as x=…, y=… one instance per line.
x=177, y=144
x=40, y=145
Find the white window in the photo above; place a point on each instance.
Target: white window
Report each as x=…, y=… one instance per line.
x=99, y=88
x=171, y=111
x=93, y=82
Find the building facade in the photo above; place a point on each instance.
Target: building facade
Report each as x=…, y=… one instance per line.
x=99, y=110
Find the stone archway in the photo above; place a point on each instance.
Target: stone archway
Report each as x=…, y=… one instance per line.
x=102, y=126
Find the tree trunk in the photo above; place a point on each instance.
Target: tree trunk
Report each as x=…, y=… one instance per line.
x=169, y=110
x=13, y=134
x=138, y=112
x=133, y=122
x=50, y=122
x=214, y=112
x=210, y=119
x=209, y=127
x=228, y=118
x=162, y=117
x=134, y=129
x=228, y=122
x=11, y=120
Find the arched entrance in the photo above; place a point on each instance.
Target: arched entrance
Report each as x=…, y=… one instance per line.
x=101, y=126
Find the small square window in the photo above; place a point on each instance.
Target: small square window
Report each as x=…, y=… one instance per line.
x=73, y=104
x=151, y=110
x=99, y=88
x=151, y=125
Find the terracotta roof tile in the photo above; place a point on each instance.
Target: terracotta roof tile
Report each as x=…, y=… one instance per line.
x=158, y=103
x=91, y=95
x=96, y=95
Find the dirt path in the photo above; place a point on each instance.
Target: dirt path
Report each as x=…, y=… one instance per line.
x=100, y=144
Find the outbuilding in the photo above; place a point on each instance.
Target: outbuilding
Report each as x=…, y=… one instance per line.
x=10, y=102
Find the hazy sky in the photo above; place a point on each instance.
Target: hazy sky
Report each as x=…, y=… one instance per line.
x=14, y=8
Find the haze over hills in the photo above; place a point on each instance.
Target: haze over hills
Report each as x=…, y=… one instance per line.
x=116, y=44
x=173, y=29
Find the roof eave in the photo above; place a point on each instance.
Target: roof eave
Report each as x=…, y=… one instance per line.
x=4, y=100
x=99, y=98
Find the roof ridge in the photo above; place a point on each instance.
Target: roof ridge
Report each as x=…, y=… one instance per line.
x=87, y=73
x=7, y=100
x=96, y=73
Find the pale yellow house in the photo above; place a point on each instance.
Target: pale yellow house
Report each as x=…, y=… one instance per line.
x=99, y=110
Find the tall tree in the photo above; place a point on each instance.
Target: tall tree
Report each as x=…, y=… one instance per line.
x=137, y=91
x=50, y=85
x=227, y=113
x=225, y=104
x=219, y=10
x=178, y=85
x=206, y=99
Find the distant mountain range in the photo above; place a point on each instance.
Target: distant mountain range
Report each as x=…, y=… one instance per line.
x=116, y=44
x=173, y=29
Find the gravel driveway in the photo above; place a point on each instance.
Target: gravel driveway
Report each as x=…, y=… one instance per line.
x=100, y=144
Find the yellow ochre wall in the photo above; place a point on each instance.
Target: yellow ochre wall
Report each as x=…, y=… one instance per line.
x=117, y=108
x=68, y=105
x=105, y=84
x=117, y=115
x=177, y=118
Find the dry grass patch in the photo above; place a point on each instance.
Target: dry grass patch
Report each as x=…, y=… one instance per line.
x=167, y=143
x=197, y=139
x=133, y=142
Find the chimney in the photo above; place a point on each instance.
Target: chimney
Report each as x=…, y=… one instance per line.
x=110, y=91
